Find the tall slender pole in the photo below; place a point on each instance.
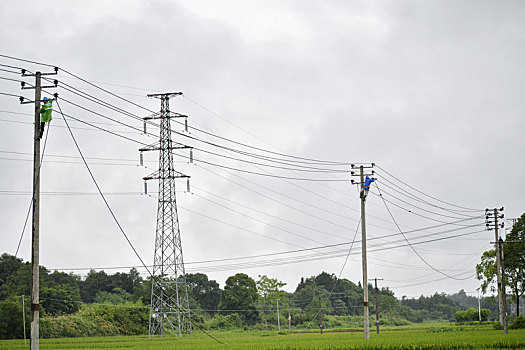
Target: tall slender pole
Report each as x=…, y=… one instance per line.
x=503, y=293
x=289, y=318
x=363, y=254
x=265, y=312
x=35, y=254
x=24, y=317
x=498, y=269
x=479, y=307
x=320, y=313
x=278, y=318
x=377, y=306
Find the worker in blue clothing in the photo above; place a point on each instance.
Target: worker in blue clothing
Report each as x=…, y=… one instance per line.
x=45, y=114
x=366, y=186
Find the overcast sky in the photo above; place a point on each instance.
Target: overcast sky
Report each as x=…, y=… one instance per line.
x=430, y=91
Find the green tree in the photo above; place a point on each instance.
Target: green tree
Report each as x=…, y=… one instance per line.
x=269, y=290
x=206, y=292
x=240, y=293
x=11, y=317
x=95, y=282
x=471, y=314
x=514, y=255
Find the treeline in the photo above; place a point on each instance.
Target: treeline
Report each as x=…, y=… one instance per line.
x=103, y=304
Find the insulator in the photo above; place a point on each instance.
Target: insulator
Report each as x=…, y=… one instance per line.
x=55, y=82
x=191, y=155
x=186, y=124
x=144, y=126
x=56, y=69
x=141, y=159
x=23, y=83
x=21, y=99
x=188, y=185
x=145, y=187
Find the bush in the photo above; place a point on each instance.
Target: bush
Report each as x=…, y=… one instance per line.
x=519, y=323
x=11, y=326
x=98, y=320
x=471, y=314
x=232, y=321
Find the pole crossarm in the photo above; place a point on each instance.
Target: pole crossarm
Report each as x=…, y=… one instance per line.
x=158, y=176
x=158, y=147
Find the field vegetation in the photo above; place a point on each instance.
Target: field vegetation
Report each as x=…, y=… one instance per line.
x=424, y=336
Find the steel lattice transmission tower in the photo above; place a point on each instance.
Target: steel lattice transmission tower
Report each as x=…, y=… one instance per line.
x=169, y=308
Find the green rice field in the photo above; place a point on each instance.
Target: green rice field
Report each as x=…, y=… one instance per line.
x=436, y=336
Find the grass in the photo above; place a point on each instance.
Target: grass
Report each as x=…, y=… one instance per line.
x=427, y=337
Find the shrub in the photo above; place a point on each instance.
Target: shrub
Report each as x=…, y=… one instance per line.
x=519, y=323
x=219, y=321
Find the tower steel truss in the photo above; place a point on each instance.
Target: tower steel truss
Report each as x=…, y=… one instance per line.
x=169, y=295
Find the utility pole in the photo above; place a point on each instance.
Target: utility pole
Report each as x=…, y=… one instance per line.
x=503, y=292
x=479, y=307
x=500, y=243
x=489, y=224
x=320, y=313
x=35, y=241
x=24, y=317
x=169, y=294
x=265, y=312
x=377, y=303
x=289, y=318
x=278, y=319
x=365, y=187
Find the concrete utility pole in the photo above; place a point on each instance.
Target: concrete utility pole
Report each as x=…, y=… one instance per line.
x=320, y=313
x=479, y=307
x=377, y=303
x=35, y=250
x=24, y=317
x=35, y=241
x=289, y=318
x=363, y=195
x=503, y=292
x=495, y=225
x=278, y=318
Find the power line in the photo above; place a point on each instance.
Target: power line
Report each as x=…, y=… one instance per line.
x=411, y=246
x=115, y=218
x=415, y=189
